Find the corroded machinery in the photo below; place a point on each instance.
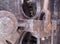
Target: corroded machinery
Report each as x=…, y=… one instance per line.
x=25, y=17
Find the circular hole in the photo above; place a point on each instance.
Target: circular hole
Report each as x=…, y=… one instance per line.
x=42, y=16
x=29, y=8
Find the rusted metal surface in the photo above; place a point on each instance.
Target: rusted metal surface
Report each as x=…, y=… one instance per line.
x=15, y=6
x=8, y=23
x=11, y=6
x=37, y=27
x=8, y=27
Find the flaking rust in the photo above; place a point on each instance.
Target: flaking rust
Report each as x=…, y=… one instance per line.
x=8, y=24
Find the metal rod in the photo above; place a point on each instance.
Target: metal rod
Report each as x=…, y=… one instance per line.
x=52, y=37
x=38, y=40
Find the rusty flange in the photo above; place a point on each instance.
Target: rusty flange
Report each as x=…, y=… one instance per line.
x=8, y=23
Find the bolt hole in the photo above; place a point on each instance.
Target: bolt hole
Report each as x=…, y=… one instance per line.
x=29, y=8
x=42, y=16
